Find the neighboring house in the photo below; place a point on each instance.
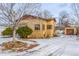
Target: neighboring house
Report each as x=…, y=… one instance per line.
x=41, y=27
x=67, y=30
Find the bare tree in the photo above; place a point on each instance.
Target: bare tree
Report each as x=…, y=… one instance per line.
x=75, y=8
x=63, y=18
x=46, y=14
x=12, y=13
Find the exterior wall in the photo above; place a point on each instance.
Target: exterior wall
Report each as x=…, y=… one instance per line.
x=39, y=33
x=51, y=32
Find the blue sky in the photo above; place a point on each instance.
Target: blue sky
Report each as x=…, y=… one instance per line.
x=56, y=8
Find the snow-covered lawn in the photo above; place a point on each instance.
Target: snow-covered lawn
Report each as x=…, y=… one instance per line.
x=56, y=46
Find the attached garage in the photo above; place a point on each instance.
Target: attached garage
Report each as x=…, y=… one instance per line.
x=70, y=31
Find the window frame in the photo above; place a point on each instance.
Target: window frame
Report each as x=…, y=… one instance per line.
x=49, y=26
x=37, y=27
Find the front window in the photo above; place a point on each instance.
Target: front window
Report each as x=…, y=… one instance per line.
x=49, y=26
x=37, y=26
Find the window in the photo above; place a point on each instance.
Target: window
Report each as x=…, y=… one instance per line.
x=49, y=26
x=37, y=26
x=43, y=27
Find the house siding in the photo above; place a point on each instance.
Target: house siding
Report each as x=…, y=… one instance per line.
x=39, y=33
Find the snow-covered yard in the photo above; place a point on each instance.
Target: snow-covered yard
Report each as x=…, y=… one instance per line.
x=56, y=46
x=64, y=46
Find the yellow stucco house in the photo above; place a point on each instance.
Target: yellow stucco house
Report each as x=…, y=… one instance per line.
x=41, y=27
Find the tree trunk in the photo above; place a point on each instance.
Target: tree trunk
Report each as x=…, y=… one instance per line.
x=14, y=34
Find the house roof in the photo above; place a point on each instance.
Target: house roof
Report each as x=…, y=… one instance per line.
x=35, y=17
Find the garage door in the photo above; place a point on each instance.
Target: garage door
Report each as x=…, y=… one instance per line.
x=70, y=31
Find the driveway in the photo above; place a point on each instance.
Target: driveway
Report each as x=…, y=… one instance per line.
x=58, y=46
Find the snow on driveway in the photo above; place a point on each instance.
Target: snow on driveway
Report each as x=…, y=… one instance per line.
x=71, y=50
x=64, y=46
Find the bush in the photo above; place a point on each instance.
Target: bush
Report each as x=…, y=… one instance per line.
x=23, y=32
x=7, y=32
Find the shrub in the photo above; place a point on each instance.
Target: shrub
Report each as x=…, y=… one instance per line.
x=7, y=32
x=23, y=32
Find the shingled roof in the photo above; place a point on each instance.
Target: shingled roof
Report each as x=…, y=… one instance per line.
x=35, y=17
